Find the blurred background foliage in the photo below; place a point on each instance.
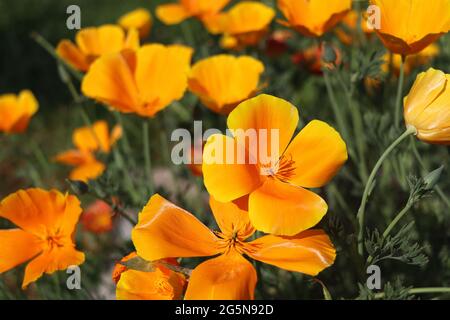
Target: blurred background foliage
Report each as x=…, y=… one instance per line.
x=26, y=160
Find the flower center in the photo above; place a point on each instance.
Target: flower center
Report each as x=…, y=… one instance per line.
x=283, y=170
x=231, y=241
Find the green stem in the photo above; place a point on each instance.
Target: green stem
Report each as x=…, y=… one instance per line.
x=361, y=211
x=39, y=155
x=398, y=100
x=125, y=141
x=437, y=188
x=147, y=155
x=51, y=50
x=127, y=179
x=340, y=120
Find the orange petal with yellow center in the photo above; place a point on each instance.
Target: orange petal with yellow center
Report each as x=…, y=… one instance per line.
x=165, y=230
x=17, y=247
x=308, y=252
x=283, y=209
x=227, y=277
x=227, y=171
x=231, y=219
x=317, y=152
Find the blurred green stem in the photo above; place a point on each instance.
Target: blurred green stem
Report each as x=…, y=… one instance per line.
x=342, y=126
x=420, y=291
x=419, y=159
x=398, y=100
x=51, y=50
x=369, y=185
x=147, y=156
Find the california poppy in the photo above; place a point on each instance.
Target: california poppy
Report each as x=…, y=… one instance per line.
x=160, y=284
x=409, y=26
x=97, y=217
x=277, y=203
x=16, y=111
x=247, y=22
x=313, y=18
x=93, y=42
x=143, y=81
x=426, y=108
x=175, y=13
x=88, y=140
x=139, y=19
x=46, y=222
x=223, y=81
x=165, y=230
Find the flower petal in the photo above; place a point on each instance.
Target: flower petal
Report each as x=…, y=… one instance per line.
x=172, y=13
x=232, y=179
x=282, y=209
x=227, y=277
x=157, y=64
x=37, y=211
x=308, y=252
x=318, y=152
x=110, y=80
x=269, y=113
x=17, y=247
x=105, y=39
x=68, y=51
x=165, y=230
x=87, y=171
x=89, y=138
x=51, y=261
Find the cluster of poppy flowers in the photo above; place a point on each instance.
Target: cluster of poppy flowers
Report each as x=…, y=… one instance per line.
x=144, y=79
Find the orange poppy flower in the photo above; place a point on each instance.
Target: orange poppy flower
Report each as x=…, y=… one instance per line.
x=143, y=81
x=160, y=284
x=426, y=107
x=165, y=230
x=223, y=81
x=139, y=19
x=97, y=218
x=175, y=13
x=247, y=22
x=46, y=222
x=16, y=111
x=278, y=201
x=93, y=42
x=87, y=141
x=409, y=26
x=346, y=32
x=313, y=18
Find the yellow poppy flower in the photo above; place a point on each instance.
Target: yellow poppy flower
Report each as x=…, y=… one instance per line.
x=313, y=18
x=87, y=141
x=16, y=111
x=93, y=42
x=139, y=19
x=165, y=230
x=160, y=284
x=278, y=200
x=143, y=81
x=223, y=81
x=46, y=222
x=427, y=107
x=175, y=13
x=409, y=26
x=247, y=22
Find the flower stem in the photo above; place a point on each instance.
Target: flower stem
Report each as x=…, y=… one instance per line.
x=361, y=211
x=420, y=291
x=398, y=100
x=147, y=156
